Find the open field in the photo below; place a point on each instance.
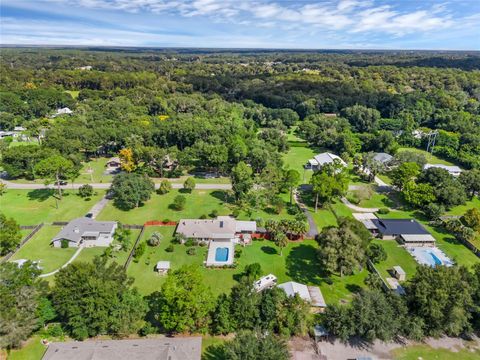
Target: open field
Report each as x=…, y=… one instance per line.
x=199, y=202
x=298, y=262
x=33, y=349
x=93, y=172
x=30, y=207
x=39, y=249
x=431, y=159
x=298, y=155
x=462, y=209
x=427, y=352
x=397, y=255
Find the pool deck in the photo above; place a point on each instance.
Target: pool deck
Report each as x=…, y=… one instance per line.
x=430, y=256
x=212, y=249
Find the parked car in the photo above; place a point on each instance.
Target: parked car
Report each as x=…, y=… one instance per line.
x=61, y=182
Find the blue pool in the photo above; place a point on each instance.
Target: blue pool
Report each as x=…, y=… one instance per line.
x=221, y=254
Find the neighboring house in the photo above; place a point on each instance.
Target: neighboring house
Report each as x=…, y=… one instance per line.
x=223, y=228
x=171, y=348
x=323, y=159
x=4, y=134
x=162, y=267
x=86, y=232
x=62, y=111
x=311, y=294
x=19, y=129
x=408, y=231
x=366, y=220
x=114, y=162
x=452, y=170
x=383, y=158
x=88, y=67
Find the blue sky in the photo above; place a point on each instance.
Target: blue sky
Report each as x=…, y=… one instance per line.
x=315, y=24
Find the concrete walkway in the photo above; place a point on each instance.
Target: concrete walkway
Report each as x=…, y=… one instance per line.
x=20, y=186
x=358, y=208
x=79, y=250
x=313, y=230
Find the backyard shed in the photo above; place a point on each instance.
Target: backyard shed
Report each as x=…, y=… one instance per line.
x=162, y=267
x=399, y=273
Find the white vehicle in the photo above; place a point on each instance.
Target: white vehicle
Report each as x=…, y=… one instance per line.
x=265, y=282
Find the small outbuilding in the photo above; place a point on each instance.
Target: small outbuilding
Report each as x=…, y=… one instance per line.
x=162, y=267
x=114, y=162
x=399, y=273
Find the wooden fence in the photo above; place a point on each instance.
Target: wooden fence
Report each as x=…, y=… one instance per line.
x=160, y=223
x=35, y=228
x=132, y=252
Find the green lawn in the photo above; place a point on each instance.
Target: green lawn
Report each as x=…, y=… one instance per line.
x=298, y=155
x=199, y=202
x=397, y=255
x=298, y=262
x=29, y=207
x=427, y=352
x=39, y=249
x=385, y=178
x=33, y=349
x=461, y=209
x=431, y=159
x=93, y=172
x=73, y=93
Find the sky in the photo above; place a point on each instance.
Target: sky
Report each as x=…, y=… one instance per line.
x=304, y=24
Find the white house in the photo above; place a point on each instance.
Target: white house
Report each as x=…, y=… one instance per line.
x=323, y=159
x=311, y=294
x=452, y=170
x=62, y=111
x=86, y=232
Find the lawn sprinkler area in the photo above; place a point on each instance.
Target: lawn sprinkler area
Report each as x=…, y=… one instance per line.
x=430, y=256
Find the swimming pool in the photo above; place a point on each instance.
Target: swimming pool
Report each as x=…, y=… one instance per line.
x=221, y=254
x=430, y=256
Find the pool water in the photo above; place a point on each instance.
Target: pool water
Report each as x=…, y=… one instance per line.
x=430, y=256
x=221, y=254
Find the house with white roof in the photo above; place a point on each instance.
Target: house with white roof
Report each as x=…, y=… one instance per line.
x=62, y=111
x=311, y=294
x=86, y=232
x=223, y=228
x=323, y=159
x=452, y=169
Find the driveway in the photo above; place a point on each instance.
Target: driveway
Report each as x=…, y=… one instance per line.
x=313, y=230
x=358, y=208
x=98, y=207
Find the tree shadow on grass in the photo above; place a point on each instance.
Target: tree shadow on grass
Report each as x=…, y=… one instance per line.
x=269, y=250
x=40, y=194
x=214, y=352
x=221, y=195
x=303, y=265
x=354, y=288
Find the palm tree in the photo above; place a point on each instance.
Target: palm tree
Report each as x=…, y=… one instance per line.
x=281, y=240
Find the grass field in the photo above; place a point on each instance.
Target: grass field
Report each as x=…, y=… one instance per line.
x=73, y=93
x=93, y=172
x=298, y=155
x=33, y=349
x=427, y=352
x=431, y=159
x=199, y=202
x=298, y=262
x=461, y=209
x=397, y=255
x=30, y=207
x=39, y=249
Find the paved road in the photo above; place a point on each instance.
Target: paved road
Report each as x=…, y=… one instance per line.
x=64, y=265
x=19, y=186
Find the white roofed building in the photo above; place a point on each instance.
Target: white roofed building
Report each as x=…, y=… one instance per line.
x=323, y=159
x=452, y=169
x=222, y=228
x=311, y=294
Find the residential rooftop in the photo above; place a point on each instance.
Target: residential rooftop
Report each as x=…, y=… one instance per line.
x=79, y=227
x=399, y=226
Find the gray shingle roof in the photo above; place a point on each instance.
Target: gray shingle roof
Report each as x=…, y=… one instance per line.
x=382, y=157
x=74, y=230
x=186, y=348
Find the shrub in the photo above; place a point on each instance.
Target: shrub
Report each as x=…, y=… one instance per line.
x=353, y=198
x=155, y=239
x=238, y=253
x=64, y=243
x=278, y=204
x=54, y=330
x=328, y=281
x=253, y=270
x=376, y=253
x=236, y=212
x=189, y=184
x=191, y=251
x=179, y=202
x=203, y=216
x=293, y=209
x=191, y=242
x=147, y=329
x=140, y=250
x=214, y=213
x=179, y=238
x=383, y=211
x=85, y=191
x=169, y=248
x=433, y=211
x=165, y=187
x=166, y=220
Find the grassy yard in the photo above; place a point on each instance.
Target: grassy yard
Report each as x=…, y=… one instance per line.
x=298, y=155
x=199, y=202
x=29, y=207
x=427, y=352
x=93, y=172
x=431, y=159
x=73, y=93
x=298, y=262
x=397, y=255
x=39, y=249
x=461, y=209
x=33, y=349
